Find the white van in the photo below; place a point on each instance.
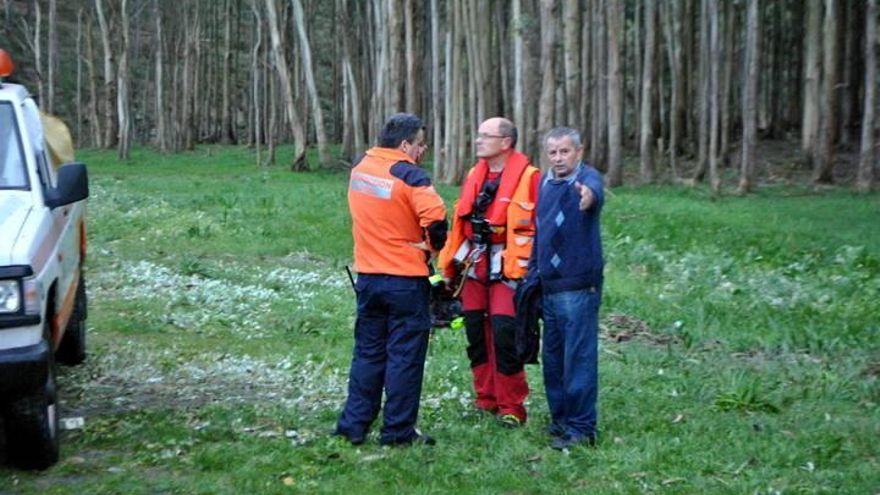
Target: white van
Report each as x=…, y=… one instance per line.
x=42, y=291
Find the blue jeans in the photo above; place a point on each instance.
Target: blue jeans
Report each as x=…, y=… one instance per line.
x=391, y=340
x=571, y=359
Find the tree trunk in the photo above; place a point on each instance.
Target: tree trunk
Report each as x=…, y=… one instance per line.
x=52, y=57
x=715, y=64
x=78, y=140
x=615, y=15
x=586, y=83
x=646, y=146
x=599, y=140
x=95, y=124
x=435, y=88
x=703, y=95
x=518, y=73
x=255, y=82
x=548, y=83
x=412, y=105
x=161, y=132
x=749, y=99
x=868, y=158
x=724, y=92
x=36, y=46
x=571, y=23
x=849, y=66
x=110, y=123
x=122, y=83
x=810, y=121
x=227, y=133
x=396, y=84
x=299, y=138
x=823, y=169
x=299, y=19
x=672, y=28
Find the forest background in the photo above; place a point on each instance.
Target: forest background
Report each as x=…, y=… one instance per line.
x=686, y=88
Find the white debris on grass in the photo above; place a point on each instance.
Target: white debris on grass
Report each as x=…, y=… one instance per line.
x=145, y=377
x=202, y=304
x=725, y=278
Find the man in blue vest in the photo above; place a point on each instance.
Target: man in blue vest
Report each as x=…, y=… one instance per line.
x=567, y=258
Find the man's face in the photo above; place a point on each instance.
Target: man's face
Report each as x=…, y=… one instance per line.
x=563, y=155
x=415, y=149
x=490, y=143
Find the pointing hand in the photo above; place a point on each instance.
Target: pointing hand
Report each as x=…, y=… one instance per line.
x=586, y=196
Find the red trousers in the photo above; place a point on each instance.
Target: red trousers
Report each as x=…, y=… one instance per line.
x=499, y=377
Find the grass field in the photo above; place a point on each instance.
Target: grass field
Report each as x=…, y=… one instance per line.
x=740, y=347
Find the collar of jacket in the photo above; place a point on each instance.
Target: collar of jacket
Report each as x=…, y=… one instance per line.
x=393, y=154
x=513, y=169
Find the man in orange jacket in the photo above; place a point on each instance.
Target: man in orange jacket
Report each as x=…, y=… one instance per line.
x=491, y=241
x=397, y=220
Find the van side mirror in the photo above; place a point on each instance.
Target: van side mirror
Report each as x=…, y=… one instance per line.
x=73, y=185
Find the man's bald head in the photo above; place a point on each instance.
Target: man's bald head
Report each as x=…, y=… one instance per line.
x=495, y=136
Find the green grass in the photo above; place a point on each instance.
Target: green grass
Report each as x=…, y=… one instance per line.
x=740, y=350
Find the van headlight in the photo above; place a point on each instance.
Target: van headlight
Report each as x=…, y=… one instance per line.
x=10, y=296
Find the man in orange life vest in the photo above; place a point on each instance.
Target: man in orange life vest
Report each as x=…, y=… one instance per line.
x=397, y=219
x=491, y=241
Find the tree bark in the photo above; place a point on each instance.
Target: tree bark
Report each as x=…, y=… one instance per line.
x=52, y=57
x=122, y=83
x=868, y=157
x=255, y=83
x=306, y=50
x=646, y=146
x=586, y=83
x=672, y=29
x=749, y=99
x=548, y=83
x=412, y=105
x=715, y=63
x=724, y=94
x=78, y=140
x=518, y=54
x=599, y=138
x=396, y=84
x=227, y=133
x=703, y=95
x=849, y=66
x=296, y=128
x=615, y=14
x=161, y=132
x=823, y=169
x=812, y=75
x=436, y=102
x=571, y=23
x=95, y=124
x=110, y=123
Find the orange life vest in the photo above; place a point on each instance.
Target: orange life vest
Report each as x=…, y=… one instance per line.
x=512, y=210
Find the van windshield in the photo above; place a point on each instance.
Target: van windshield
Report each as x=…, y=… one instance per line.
x=13, y=174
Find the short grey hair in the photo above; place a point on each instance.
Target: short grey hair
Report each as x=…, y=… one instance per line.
x=561, y=132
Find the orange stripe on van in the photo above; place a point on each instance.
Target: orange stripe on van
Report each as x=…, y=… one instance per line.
x=62, y=317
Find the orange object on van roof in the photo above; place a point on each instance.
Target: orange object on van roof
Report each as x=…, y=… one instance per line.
x=6, y=65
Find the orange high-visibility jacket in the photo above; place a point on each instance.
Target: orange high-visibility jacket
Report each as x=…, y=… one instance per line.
x=512, y=211
x=391, y=201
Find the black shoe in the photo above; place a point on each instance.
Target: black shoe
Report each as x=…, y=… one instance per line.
x=555, y=430
x=567, y=442
x=418, y=439
x=510, y=421
x=354, y=439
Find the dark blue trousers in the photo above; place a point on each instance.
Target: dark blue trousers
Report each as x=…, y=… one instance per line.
x=391, y=339
x=571, y=360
